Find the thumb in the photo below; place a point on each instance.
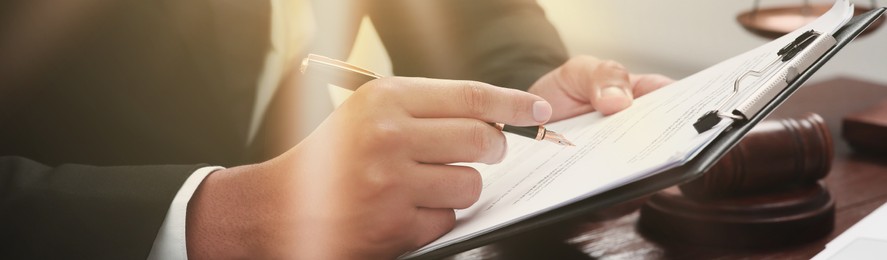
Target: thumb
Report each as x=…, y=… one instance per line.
x=609, y=88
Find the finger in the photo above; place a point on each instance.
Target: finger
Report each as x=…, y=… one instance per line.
x=564, y=99
x=610, y=87
x=433, y=223
x=436, y=98
x=445, y=186
x=451, y=140
x=646, y=83
x=585, y=84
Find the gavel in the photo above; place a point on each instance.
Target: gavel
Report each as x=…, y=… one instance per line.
x=764, y=193
x=774, y=154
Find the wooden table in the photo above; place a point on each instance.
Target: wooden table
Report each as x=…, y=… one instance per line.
x=857, y=182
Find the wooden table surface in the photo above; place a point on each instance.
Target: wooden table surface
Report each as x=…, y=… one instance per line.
x=857, y=182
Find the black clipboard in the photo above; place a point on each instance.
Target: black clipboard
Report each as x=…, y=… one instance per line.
x=681, y=174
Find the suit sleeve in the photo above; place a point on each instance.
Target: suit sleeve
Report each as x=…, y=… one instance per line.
x=83, y=212
x=508, y=43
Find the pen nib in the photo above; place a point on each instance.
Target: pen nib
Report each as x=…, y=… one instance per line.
x=553, y=137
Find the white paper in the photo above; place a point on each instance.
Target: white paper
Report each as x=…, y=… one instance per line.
x=868, y=237
x=652, y=135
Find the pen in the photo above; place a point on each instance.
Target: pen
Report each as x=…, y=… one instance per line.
x=351, y=77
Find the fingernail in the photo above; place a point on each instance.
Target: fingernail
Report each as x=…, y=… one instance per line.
x=541, y=111
x=614, y=91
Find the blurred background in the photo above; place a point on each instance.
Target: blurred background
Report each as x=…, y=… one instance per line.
x=674, y=38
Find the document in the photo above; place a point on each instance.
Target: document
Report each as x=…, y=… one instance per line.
x=654, y=134
x=867, y=239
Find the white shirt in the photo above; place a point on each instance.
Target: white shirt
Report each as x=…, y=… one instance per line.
x=170, y=242
x=291, y=25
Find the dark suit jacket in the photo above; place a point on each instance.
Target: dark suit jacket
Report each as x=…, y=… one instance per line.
x=170, y=85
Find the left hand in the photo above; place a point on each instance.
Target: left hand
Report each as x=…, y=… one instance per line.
x=585, y=84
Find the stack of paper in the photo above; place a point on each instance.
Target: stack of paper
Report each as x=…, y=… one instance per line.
x=653, y=135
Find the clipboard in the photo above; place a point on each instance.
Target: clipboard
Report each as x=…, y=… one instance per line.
x=678, y=175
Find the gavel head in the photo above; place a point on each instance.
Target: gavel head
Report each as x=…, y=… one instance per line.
x=774, y=154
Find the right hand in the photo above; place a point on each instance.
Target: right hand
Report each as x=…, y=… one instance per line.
x=374, y=180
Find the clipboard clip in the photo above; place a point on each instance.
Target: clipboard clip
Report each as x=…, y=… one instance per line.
x=786, y=53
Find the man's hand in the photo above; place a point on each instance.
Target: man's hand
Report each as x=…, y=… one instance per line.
x=584, y=84
x=373, y=181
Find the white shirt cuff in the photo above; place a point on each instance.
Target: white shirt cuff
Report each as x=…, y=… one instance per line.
x=170, y=242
